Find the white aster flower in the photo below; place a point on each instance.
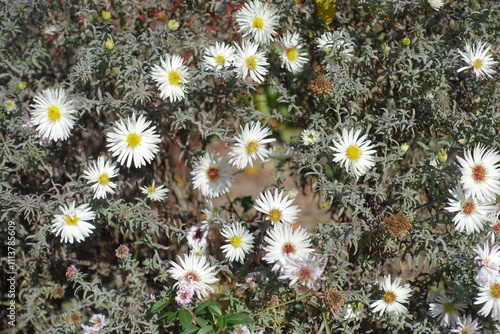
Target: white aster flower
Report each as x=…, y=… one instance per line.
x=99, y=319
x=309, y=137
x=467, y=326
x=393, y=298
x=337, y=47
x=489, y=261
x=277, y=208
x=219, y=56
x=208, y=213
x=250, y=61
x=471, y=213
x=446, y=310
x=195, y=273
x=99, y=175
x=489, y=295
x=353, y=152
x=258, y=20
x=53, y=114
x=292, y=54
x=171, y=77
x=478, y=58
x=133, y=140
x=197, y=235
x=198, y=249
x=436, y=4
x=285, y=244
x=184, y=295
x=94, y=329
x=306, y=271
x=155, y=193
x=211, y=175
x=73, y=223
x=250, y=145
x=239, y=242
x=480, y=173
x=9, y=105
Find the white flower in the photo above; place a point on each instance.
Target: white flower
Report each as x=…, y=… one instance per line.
x=53, y=114
x=250, y=61
x=467, y=326
x=208, y=213
x=134, y=141
x=436, y=4
x=239, y=242
x=471, y=214
x=489, y=295
x=195, y=273
x=284, y=244
x=99, y=175
x=249, y=145
x=198, y=249
x=478, y=58
x=197, y=235
x=99, y=320
x=489, y=261
x=73, y=223
x=310, y=137
x=292, y=54
x=306, y=271
x=219, y=56
x=337, y=46
x=171, y=77
x=353, y=152
x=393, y=298
x=9, y=105
x=277, y=208
x=211, y=175
x=184, y=295
x=480, y=173
x=446, y=310
x=258, y=20
x=94, y=329
x=155, y=193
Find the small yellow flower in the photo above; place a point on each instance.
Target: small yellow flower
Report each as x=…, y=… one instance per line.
x=173, y=25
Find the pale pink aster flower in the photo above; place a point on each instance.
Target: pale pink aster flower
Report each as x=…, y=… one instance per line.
x=306, y=271
x=467, y=326
x=489, y=261
x=194, y=272
x=184, y=295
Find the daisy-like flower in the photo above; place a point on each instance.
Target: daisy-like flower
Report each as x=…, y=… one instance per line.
x=306, y=271
x=211, y=175
x=99, y=320
x=292, y=54
x=489, y=295
x=53, y=114
x=489, y=261
x=478, y=58
x=337, y=46
x=258, y=20
x=353, y=152
x=171, y=77
x=195, y=273
x=277, y=208
x=309, y=137
x=480, y=173
x=446, y=310
x=219, y=56
x=184, y=295
x=393, y=298
x=250, y=145
x=285, y=244
x=208, y=213
x=198, y=249
x=99, y=175
x=239, y=242
x=73, y=223
x=471, y=213
x=197, y=235
x=436, y=4
x=9, y=105
x=133, y=140
x=94, y=329
x=155, y=193
x=250, y=61
x=467, y=326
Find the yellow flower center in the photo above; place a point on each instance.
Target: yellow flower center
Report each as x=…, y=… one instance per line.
x=291, y=54
x=258, y=23
x=252, y=147
x=353, y=152
x=133, y=140
x=477, y=64
x=71, y=220
x=174, y=78
x=251, y=63
x=310, y=136
x=53, y=113
x=236, y=241
x=220, y=60
x=448, y=307
x=152, y=189
x=389, y=297
x=468, y=208
x=274, y=215
x=495, y=290
x=103, y=179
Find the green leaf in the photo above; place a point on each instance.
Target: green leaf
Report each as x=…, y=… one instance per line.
x=191, y=329
x=159, y=305
x=202, y=322
x=222, y=322
x=214, y=309
x=206, y=330
x=200, y=309
x=186, y=318
x=238, y=318
x=171, y=316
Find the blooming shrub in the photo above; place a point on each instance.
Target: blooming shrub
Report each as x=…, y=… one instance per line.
x=250, y=166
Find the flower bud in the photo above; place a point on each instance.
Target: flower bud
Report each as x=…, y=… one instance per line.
x=173, y=25
x=21, y=86
x=106, y=16
x=442, y=157
x=406, y=41
x=109, y=44
x=405, y=147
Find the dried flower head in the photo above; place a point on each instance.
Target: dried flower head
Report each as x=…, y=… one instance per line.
x=58, y=292
x=121, y=252
x=334, y=299
x=398, y=224
x=320, y=85
x=74, y=318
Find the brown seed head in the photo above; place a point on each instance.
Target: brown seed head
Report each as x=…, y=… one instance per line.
x=320, y=86
x=74, y=318
x=58, y=292
x=334, y=299
x=121, y=252
x=398, y=224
